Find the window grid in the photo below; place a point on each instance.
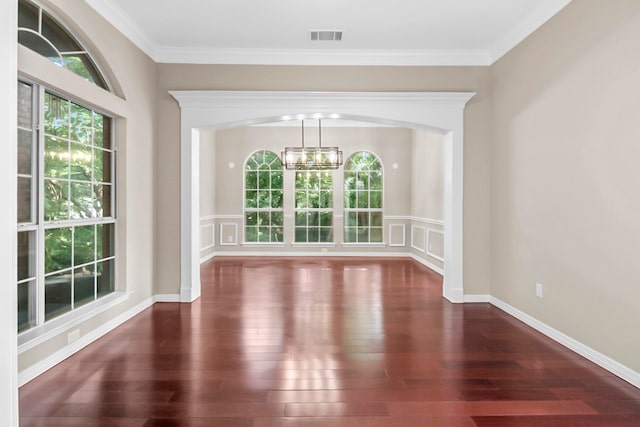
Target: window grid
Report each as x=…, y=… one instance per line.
x=65, y=260
x=314, y=207
x=363, y=197
x=264, y=216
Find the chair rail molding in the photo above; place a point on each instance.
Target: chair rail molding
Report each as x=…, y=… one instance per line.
x=441, y=112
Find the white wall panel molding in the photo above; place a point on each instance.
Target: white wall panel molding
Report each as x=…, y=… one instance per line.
x=596, y=357
x=419, y=238
x=429, y=252
x=207, y=236
x=228, y=234
x=397, y=235
x=427, y=264
x=207, y=218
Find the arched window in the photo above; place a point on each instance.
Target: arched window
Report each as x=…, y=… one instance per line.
x=41, y=33
x=263, y=213
x=314, y=206
x=363, y=198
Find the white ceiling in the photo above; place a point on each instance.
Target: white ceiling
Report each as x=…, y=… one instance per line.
x=376, y=32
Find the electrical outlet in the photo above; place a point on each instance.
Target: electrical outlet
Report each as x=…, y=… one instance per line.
x=539, y=290
x=229, y=239
x=73, y=336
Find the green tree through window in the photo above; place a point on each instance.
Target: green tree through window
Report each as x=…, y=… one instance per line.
x=263, y=202
x=363, y=198
x=314, y=206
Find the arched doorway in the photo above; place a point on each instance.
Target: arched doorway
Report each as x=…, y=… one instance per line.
x=437, y=111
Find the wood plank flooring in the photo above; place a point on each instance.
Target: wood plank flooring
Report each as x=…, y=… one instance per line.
x=326, y=342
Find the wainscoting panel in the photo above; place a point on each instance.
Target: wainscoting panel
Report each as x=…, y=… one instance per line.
x=419, y=238
x=397, y=235
x=228, y=234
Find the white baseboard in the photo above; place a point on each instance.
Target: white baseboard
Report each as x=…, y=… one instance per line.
x=166, y=298
x=57, y=357
x=426, y=263
x=207, y=257
x=477, y=298
x=616, y=368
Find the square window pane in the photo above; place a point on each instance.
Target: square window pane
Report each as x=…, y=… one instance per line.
x=80, y=162
x=106, y=277
x=105, y=234
x=264, y=218
x=102, y=165
x=27, y=248
x=101, y=131
x=56, y=116
x=277, y=219
x=84, y=285
x=84, y=244
x=264, y=181
x=301, y=234
x=264, y=198
x=376, y=234
x=25, y=151
x=81, y=124
x=264, y=234
x=251, y=218
x=349, y=181
x=363, y=180
x=57, y=249
x=25, y=105
x=81, y=201
x=350, y=199
x=251, y=180
x=25, y=211
x=251, y=199
x=57, y=295
x=301, y=200
x=351, y=219
x=26, y=305
x=376, y=219
x=276, y=180
x=376, y=200
x=276, y=199
x=301, y=218
x=363, y=235
x=251, y=234
x=56, y=203
x=326, y=235
x=56, y=158
x=277, y=234
x=326, y=219
x=313, y=218
x=350, y=235
x=363, y=219
x=314, y=199
x=102, y=202
x=326, y=200
x=363, y=199
x=313, y=234
x=375, y=180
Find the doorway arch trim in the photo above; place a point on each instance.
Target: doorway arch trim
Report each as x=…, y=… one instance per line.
x=442, y=112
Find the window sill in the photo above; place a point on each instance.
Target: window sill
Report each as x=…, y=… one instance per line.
x=313, y=245
x=264, y=244
x=40, y=334
x=365, y=244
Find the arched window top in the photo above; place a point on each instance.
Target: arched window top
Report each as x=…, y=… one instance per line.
x=40, y=32
x=363, y=161
x=262, y=160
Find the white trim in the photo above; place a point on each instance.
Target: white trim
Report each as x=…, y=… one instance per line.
x=208, y=218
x=57, y=357
x=234, y=234
x=424, y=238
x=264, y=244
x=363, y=244
x=616, y=368
x=428, y=251
x=213, y=236
x=530, y=23
x=207, y=257
x=313, y=244
x=34, y=337
x=427, y=264
x=476, y=298
x=441, y=112
x=228, y=216
x=166, y=298
x=414, y=218
x=8, y=217
x=404, y=235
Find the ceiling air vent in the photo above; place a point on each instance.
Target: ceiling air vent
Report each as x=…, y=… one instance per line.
x=325, y=35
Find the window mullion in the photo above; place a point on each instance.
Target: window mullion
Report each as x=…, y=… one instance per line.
x=39, y=113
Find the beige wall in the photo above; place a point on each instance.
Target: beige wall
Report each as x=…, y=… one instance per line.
x=565, y=197
x=136, y=75
x=232, y=77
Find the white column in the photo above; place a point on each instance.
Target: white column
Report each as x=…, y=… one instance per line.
x=8, y=218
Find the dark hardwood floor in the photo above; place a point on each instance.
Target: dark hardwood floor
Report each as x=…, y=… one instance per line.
x=326, y=342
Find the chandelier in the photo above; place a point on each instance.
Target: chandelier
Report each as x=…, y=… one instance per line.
x=312, y=158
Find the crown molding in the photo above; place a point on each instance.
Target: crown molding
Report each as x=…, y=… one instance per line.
x=530, y=23
x=369, y=57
